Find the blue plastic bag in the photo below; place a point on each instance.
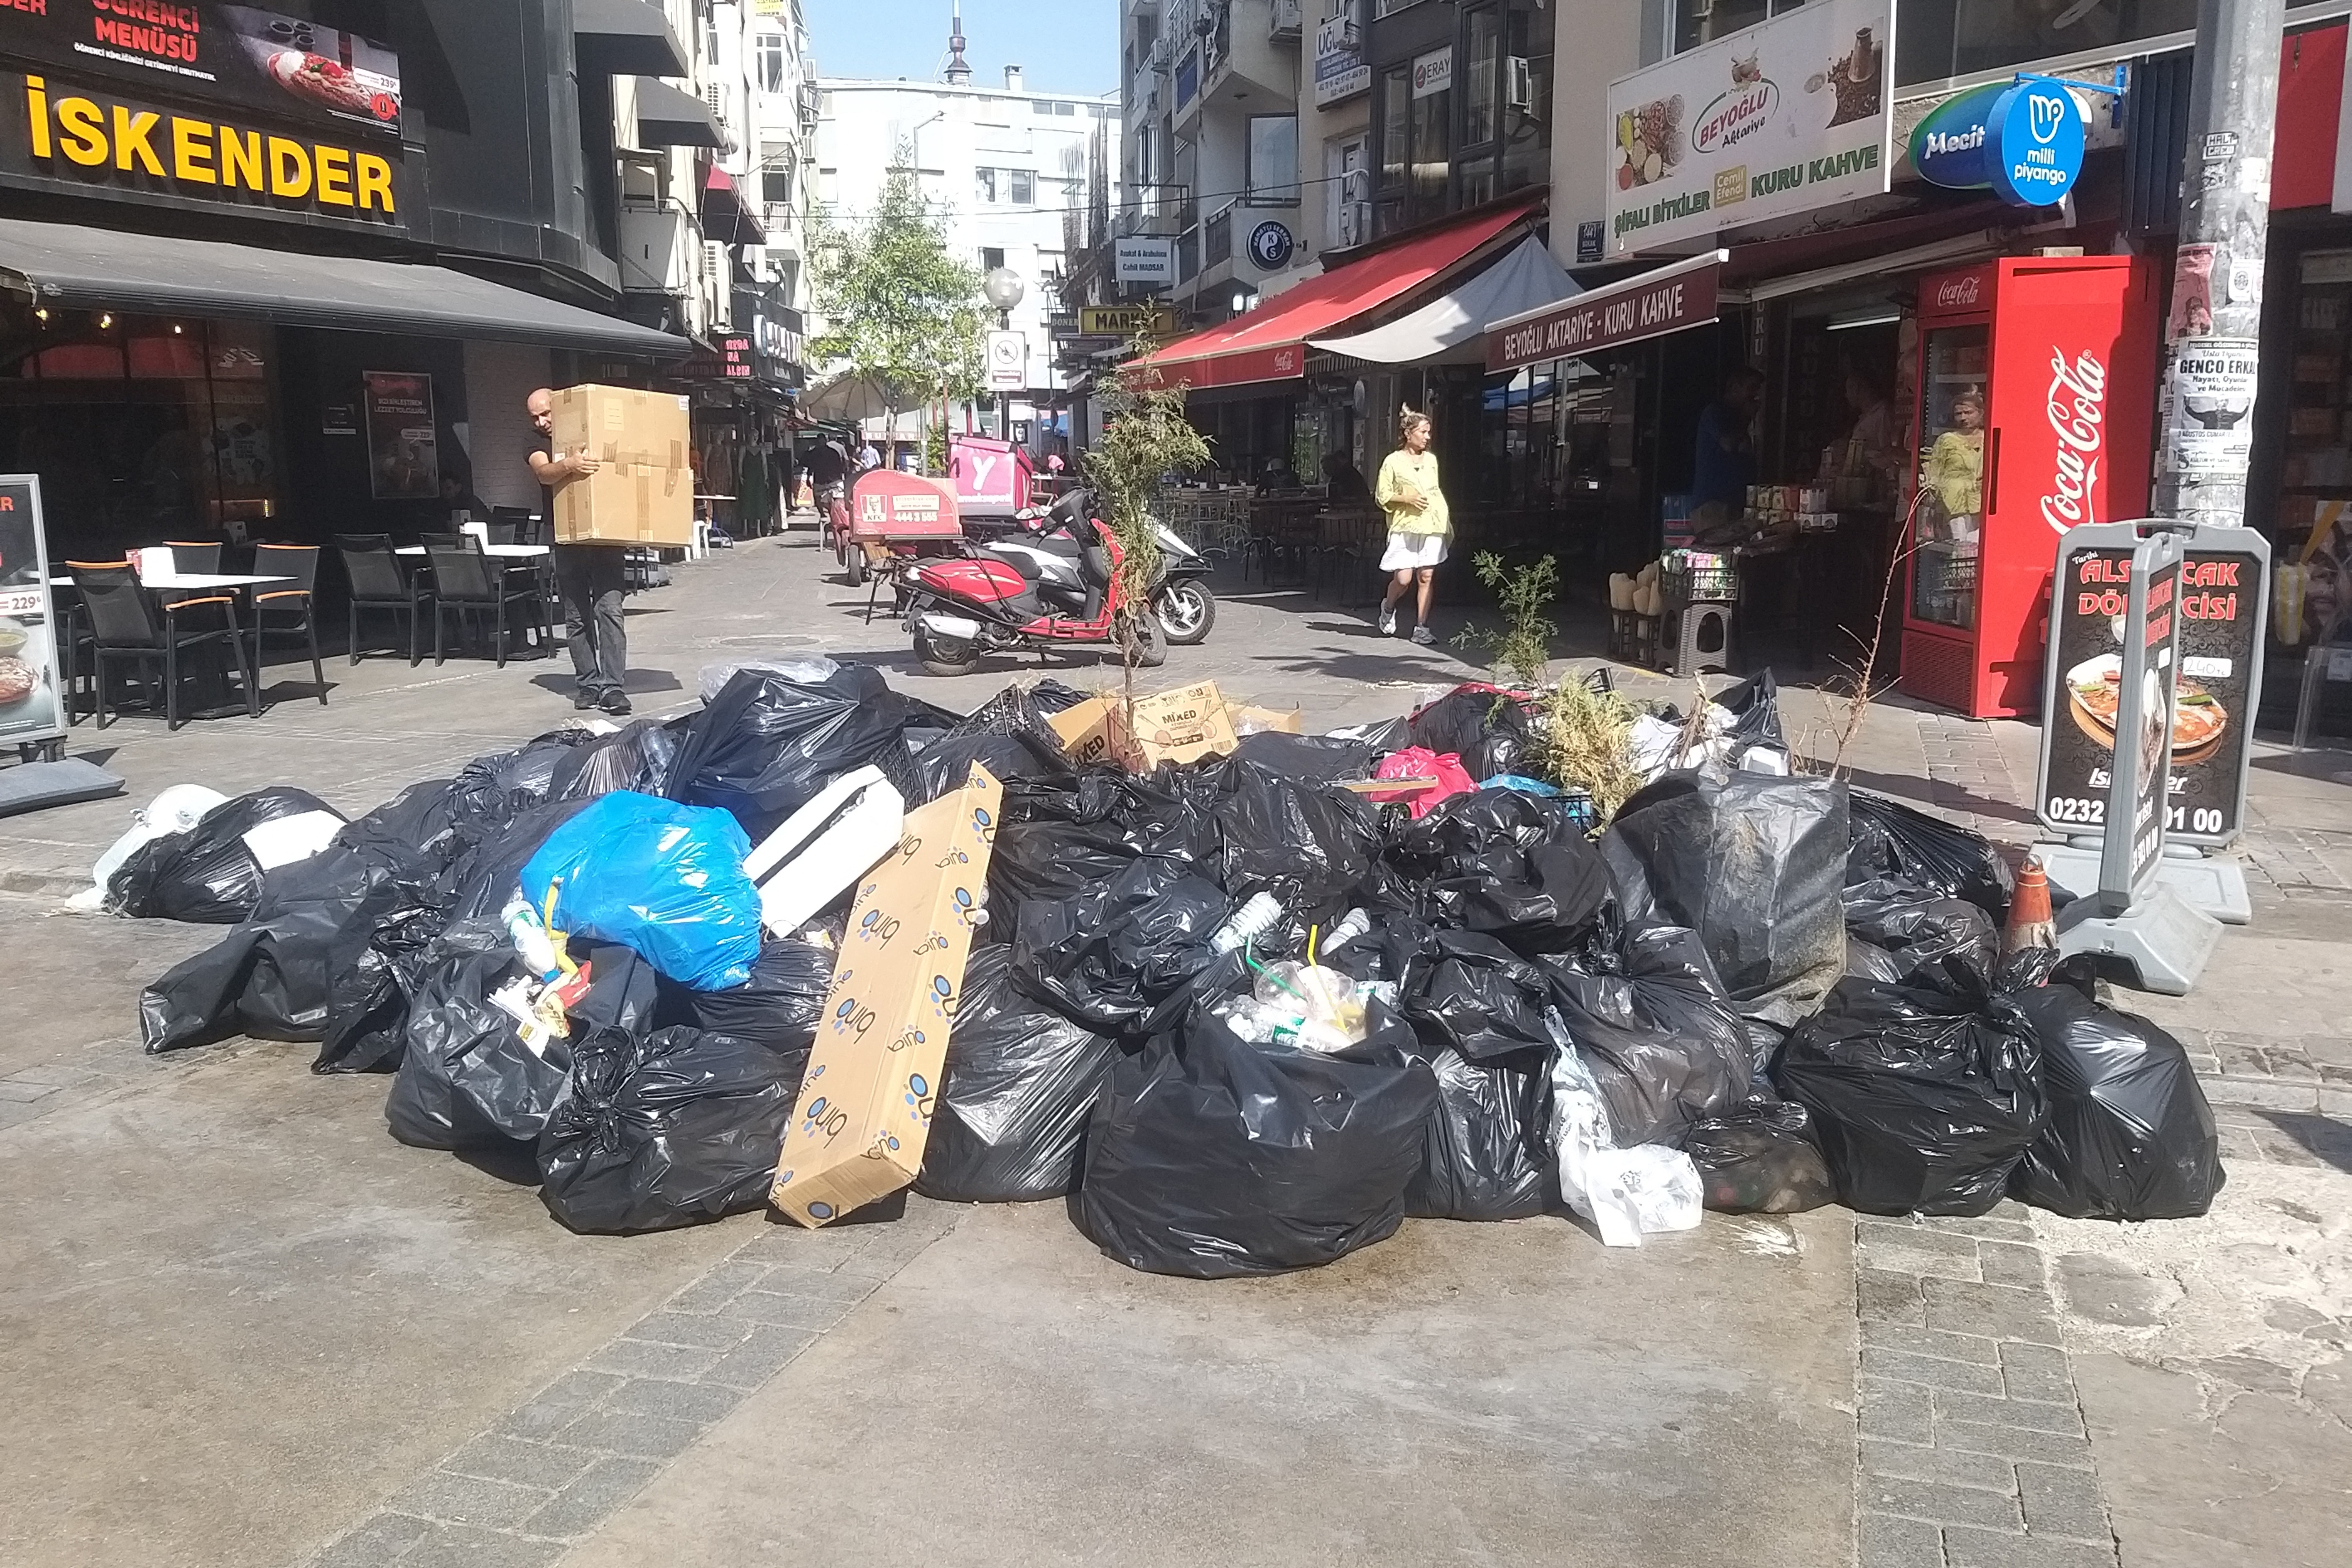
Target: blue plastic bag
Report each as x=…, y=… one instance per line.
x=664, y=879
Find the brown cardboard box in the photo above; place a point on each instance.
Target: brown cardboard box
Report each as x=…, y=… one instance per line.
x=1248, y=719
x=644, y=493
x=1180, y=726
x=865, y=1112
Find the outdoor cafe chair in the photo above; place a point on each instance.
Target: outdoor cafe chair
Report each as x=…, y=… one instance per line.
x=378, y=582
x=286, y=612
x=467, y=583
x=126, y=624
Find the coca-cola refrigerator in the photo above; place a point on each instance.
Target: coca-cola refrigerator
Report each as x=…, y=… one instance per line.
x=2035, y=400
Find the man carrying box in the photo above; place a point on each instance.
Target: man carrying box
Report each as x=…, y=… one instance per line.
x=591, y=577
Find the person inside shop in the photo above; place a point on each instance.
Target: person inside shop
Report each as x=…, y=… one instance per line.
x=1954, y=472
x=1276, y=475
x=458, y=497
x=1722, y=458
x=1871, y=448
x=1418, y=525
x=1346, y=481
x=590, y=577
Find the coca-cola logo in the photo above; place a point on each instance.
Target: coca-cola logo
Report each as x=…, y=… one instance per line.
x=2076, y=407
x=1955, y=291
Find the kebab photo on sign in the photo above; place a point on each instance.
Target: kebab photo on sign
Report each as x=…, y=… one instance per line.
x=2094, y=690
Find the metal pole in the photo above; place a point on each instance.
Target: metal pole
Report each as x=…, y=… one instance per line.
x=1004, y=398
x=2213, y=331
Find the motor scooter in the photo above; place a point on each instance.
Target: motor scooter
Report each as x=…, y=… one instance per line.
x=1054, y=584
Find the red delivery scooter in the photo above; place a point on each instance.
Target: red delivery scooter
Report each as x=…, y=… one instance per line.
x=1053, y=585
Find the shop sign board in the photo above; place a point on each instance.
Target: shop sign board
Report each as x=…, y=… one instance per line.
x=59, y=135
x=1785, y=116
x=1144, y=258
x=1340, y=69
x=31, y=709
x=404, y=447
x=1125, y=322
x=280, y=68
x=2212, y=606
x=2024, y=140
x=1650, y=306
x=1432, y=73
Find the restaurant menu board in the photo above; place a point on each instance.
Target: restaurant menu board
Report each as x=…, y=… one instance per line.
x=403, y=450
x=2217, y=613
x=29, y=709
x=279, y=66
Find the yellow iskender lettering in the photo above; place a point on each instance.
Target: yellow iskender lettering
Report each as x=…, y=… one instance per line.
x=289, y=168
x=334, y=165
x=132, y=132
x=82, y=129
x=374, y=181
x=37, y=112
x=191, y=150
x=240, y=158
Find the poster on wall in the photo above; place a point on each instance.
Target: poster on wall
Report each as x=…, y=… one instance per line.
x=275, y=65
x=1782, y=118
x=403, y=457
x=28, y=664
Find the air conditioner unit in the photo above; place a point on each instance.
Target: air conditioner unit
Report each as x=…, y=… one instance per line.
x=1355, y=186
x=1355, y=223
x=1518, y=84
x=1287, y=19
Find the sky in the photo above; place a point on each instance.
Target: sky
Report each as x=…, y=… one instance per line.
x=1061, y=46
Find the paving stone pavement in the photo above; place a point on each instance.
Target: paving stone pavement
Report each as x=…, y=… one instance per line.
x=519, y=1493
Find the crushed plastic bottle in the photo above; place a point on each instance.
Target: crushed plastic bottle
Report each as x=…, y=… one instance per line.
x=1351, y=925
x=1254, y=918
x=1267, y=1024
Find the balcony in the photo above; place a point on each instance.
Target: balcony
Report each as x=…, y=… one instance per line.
x=1217, y=237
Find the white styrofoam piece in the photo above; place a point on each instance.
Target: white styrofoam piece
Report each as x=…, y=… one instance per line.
x=823, y=847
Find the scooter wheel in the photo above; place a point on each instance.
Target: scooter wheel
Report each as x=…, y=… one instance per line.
x=946, y=658
x=1151, y=647
x=854, y=565
x=1185, y=610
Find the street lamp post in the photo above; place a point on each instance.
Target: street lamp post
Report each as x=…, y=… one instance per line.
x=1004, y=289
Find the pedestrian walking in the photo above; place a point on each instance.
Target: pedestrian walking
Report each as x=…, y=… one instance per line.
x=590, y=577
x=1418, y=525
x=869, y=456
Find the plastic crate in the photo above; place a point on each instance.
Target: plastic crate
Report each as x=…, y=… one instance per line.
x=1633, y=638
x=1698, y=576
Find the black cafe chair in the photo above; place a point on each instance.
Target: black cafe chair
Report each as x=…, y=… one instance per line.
x=284, y=611
x=126, y=624
x=194, y=555
x=468, y=583
x=378, y=582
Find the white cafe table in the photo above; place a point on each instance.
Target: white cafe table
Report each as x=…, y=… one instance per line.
x=190, y=582
x=496, y=551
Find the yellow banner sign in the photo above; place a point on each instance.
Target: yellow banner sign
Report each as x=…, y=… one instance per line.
x=1126, y=321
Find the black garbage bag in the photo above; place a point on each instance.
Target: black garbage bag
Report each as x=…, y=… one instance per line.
x=1052, y=696
x=466, y=1079
x=637, y=759
x=1213, y=1158
x=1481, y=998
x=1020, y=1083
x=664, y=1129
x=2130, y=1135
x=1925, y=855
x=1517, y=866
x=1317, y=759
x=1485, y=1155
x=1127, y=954
x=1923, y=1100
x=1907, y=933
x=1760, y=1160
x=778, y=1007
x=493, y=789
x=1754, y=705
x=1400, y=948
x=1645, y=1011
x=1063, y=835
x=1007, y=734
x=767, y=746
x=1754, y=864
x=1486, y=728
x=1313, y=847
x=208, y=875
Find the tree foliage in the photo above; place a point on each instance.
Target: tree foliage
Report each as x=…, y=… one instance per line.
x=896, y=305
x=1146, y=439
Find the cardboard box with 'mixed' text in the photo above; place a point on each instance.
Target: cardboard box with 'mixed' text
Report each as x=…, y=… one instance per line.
x=1179, y=726
x=864, y=1113
x=643, y=489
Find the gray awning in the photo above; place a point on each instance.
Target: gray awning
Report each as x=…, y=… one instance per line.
x=102, y=269
x=1452, y=328
x=625, y=38
x=670, y=117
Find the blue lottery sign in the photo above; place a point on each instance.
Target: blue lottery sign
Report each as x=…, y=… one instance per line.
x=2022, y=141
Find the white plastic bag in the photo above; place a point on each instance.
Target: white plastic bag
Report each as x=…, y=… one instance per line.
x=1627, y=1193
x=177, y=810
x=805, y=669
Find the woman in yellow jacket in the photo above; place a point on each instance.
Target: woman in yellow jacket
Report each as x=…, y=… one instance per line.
x=1418, y=525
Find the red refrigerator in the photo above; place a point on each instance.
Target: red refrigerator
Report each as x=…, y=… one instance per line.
x=2035, y=401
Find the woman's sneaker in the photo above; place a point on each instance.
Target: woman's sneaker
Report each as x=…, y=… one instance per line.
x=1388, y=620
x=1425, y=636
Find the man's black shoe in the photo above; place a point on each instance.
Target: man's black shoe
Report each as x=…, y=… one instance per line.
x=583, y=699
x=615, y=703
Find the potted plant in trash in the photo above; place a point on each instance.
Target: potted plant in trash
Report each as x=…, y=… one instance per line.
x=1146, y=438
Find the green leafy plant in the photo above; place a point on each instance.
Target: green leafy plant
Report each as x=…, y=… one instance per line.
x=1521, y=646
x=895, y=304
x=1584, y=740
x=935, y=450
x=1146, y=439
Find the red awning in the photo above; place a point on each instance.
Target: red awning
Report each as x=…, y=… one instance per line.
x=725, y=215
x=1270, y=344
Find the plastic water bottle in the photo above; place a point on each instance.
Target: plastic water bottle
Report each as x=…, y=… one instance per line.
x=1254, y=919
x=1353, y=925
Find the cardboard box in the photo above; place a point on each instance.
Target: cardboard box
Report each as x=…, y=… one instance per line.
x=644, y=493
x=1180, y=726
x=865, y=1112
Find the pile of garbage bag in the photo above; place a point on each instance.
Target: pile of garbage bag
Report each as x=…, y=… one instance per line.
x=1246, y=1013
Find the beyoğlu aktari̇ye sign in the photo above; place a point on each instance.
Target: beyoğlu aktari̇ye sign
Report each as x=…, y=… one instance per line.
x=1650, y=306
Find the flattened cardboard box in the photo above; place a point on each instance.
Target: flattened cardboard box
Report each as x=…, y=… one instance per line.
x=643, y=491
x=1179, y=726
x=865, y=1113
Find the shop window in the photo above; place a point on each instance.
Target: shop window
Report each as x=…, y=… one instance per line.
x=1481, y=95
x=1700, y=22
x=1023, y=186
x=1938, y=38
x=1272, y=176
x=99, y=360
x=166, y=356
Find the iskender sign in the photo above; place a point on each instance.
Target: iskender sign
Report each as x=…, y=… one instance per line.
x=1658, y=302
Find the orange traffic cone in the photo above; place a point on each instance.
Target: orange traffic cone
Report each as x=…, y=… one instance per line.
x=2029, y=923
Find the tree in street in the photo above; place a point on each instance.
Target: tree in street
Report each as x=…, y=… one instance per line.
x=1146, y=439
